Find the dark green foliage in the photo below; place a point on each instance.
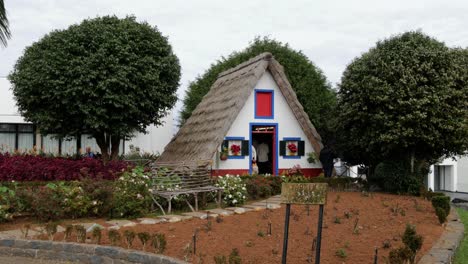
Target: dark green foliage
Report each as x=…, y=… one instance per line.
x=311, y=86
x=158, y=241
x=441, y=215
x=407, y=98
x=395, y=176
x=129, y=237
x=411, y=239
x=97, y=234
x=114, y=237
x=441, y=202
x=106, y=76
x=144, y=237
x=400, y=255
x=220, y=259
x=234, y=257
x=80, y=233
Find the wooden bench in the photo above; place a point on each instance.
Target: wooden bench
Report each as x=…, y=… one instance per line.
x=173, y=179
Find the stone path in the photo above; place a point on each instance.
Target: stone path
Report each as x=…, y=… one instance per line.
x=270, y=203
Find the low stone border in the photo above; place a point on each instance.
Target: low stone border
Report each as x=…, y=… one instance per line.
x=82, y=253
x=444, y=249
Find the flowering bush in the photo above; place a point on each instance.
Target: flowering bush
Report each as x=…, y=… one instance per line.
x=260, y=186
x=235, y=149
x=38, y=168
x=234, y=189
x=292, y=147
x=131, y=197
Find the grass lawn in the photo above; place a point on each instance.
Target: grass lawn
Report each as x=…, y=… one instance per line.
x=462, y=252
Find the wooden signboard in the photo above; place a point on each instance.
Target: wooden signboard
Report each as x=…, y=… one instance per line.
x=304, y=193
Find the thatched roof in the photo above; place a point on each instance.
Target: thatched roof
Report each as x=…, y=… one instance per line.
x=202, y=134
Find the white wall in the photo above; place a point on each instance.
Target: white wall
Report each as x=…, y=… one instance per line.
x=462, y=174
x=8, y=110
x=288, y=126
x=156, y=139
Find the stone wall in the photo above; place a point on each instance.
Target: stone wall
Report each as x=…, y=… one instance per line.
x=82, y=253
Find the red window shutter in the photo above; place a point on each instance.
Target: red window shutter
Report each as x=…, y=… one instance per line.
x=264, y=104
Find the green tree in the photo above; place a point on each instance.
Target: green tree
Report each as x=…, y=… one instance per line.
x=311, y=86
x=406, y=98
x=108, y=77
x=4, y=27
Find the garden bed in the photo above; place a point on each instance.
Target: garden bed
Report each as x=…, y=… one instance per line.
x=382, y=219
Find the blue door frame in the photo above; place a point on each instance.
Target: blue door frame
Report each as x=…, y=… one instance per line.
x=276, y=147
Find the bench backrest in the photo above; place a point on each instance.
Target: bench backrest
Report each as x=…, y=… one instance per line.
x=181, y=175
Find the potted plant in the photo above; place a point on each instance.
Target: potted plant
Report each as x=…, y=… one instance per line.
x=224, y=153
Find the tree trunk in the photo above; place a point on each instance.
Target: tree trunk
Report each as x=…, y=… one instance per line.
x=412, y=161
x=109, y=145
x=115, y=142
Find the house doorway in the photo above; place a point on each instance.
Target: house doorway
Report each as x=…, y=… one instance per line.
x=263, y=139
x=442, y=178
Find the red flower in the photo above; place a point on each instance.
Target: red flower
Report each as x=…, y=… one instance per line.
x=292, y=147
x=235, y=149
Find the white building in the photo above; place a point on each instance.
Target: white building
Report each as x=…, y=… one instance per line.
x=449, y=175
x=251, y=106
x=16, y=134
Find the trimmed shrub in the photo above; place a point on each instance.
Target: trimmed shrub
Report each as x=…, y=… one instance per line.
x=441, y=215
x=39, y=168
x=441, y=202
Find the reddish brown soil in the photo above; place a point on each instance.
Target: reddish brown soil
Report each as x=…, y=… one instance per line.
x=377, y=223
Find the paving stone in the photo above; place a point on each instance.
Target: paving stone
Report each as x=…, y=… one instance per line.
x=267, y=205
x=181, y=217
x=90, y=228
x=201, y=215
x=149, y=221
x=221, y=212
x=174, y=219
x=255, y=207
x=114, y=227
x=131, y=224
x=118, y=222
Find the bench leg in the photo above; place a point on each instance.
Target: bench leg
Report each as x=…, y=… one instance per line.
x=169, y=209
x=219, y=198
x=196, y=201
x=159, y=205
x=191, y=207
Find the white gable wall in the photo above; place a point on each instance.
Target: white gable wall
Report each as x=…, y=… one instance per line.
x=287, y=126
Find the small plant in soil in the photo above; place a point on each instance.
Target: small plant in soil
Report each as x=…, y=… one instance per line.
x=68, y=232
x=51, y=230
x=386, y=244
x=219, y=219
x=338, y=198
x=80, y=233
x=158, y=241
x=275, y=251
x=129, y=237
x=97, y=234
x=337, y=220
x=385, y=204
x=188, y=251
x=356, y=227
x=144, y=238
x=417, y=206
x=348, y=215
x=341, y=252
x=25, y=230
x=346, y=244
x=220, y=259
x=402, y=212
x=114, y=237
x=412, y=244
x=249, y=243
x=234, y=257
x=208, y=226
x=260, y=234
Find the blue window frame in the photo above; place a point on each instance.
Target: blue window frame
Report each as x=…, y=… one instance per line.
x=229, y=146
x=286, y=139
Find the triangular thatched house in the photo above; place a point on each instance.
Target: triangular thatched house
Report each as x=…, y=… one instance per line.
x=250, y=108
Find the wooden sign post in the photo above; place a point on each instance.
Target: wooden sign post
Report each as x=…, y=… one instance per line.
x=303, y=193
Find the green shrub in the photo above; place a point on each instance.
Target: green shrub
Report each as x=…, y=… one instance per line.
x=441, y=215
x=395, y=177
x=441, y=202
x=235, y=190
x=399, y=256
x=234, y=257
x=131, y=197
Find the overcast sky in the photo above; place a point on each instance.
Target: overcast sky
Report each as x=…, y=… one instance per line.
x=330, y=33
